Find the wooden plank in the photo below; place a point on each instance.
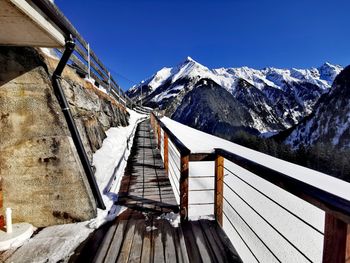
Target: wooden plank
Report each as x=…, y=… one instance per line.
x=214, y=243
x=335, y=240
x=219, y=188
x=198, y=157
x=225, y=241
x=102, y=251
x=127, y=243
x=166, y=152
x=169, y=246
x=136, y=249
x=184, y=187
x=180, y=246
x=146, y=256
x=202, y=244
x=190, y=241
x=117, y=242
x=158, y=249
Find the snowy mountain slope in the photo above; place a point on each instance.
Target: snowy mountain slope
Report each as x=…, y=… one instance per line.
x=330, y=121
x=275, y=98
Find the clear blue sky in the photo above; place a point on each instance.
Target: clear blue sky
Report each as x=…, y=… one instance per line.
x=135, y=38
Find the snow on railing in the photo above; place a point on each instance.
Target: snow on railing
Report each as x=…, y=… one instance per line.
x=272, y=210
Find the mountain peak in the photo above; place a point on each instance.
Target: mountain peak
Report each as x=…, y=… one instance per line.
x=189, y=59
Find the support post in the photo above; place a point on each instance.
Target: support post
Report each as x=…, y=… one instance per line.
x=109, y=83
x=89, y=63
x=336, y=244
x=184, y=187
x=166, y=160
x=219, y=188
x=159, y=134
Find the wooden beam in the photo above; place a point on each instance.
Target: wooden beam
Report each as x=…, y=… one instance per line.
x=184, y=187
x=166, y=159
x=159, y=132
x=347, y=257
x=219, y=188
x=336, y=240
x=199, y=157
x=46, y=26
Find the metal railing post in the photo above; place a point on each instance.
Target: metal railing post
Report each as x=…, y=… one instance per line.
x=219, y=188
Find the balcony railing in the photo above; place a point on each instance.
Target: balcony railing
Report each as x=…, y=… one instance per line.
x=268, y=215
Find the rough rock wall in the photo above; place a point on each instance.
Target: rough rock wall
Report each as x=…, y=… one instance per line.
x=43, y=180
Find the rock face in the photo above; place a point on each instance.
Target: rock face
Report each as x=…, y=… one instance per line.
x=43, y=180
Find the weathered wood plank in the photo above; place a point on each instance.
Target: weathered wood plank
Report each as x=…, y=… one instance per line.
x=117, y=242
x=217, y=250
x=147, y=244
x=168, y=240
x=202, y=244
x=180, y=245
x=136, y=249
x=158, y=249
x=190, y=241
x=127, y=242
x=106, y=242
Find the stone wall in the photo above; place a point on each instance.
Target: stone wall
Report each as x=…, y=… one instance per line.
x=43, y=180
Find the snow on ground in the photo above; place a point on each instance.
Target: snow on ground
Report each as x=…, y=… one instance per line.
x=274, y=224
x=57, y=243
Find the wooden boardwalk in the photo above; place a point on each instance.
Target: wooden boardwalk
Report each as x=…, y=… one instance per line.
x=141, y=233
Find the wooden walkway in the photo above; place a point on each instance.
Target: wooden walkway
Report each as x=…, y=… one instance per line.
x=141, y=233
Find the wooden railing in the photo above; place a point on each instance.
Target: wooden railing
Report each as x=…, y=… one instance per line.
x=233, y=181
x=84, y=59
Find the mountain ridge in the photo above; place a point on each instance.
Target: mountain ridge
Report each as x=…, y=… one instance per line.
x=276, y=98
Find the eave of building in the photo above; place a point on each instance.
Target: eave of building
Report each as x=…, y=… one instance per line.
x=21, y=24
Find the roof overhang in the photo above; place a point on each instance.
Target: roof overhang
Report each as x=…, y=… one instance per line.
x=23, y=24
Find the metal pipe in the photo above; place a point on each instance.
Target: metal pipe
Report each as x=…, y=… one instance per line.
x=70, y=44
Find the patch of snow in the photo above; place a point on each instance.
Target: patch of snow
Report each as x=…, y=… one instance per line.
x=21, y=232
x=173, y=218
x=52, y=244
x=150, y=228
x=50, y=52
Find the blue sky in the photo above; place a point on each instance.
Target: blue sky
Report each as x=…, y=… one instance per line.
x=136, y=38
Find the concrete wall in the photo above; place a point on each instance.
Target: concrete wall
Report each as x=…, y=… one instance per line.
x=43, y=180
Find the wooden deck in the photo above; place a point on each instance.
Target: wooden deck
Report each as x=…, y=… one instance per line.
x=141, y=233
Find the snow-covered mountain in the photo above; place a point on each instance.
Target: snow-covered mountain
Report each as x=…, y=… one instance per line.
x=275, y=99
x=330, y=121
